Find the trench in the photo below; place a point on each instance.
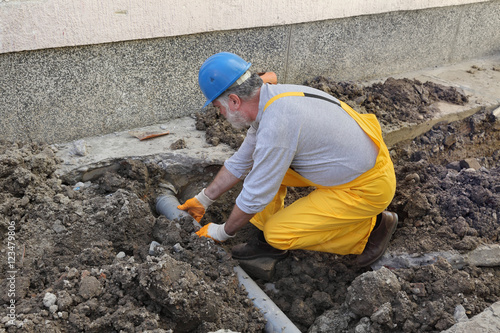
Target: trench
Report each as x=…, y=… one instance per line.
x=277, y=321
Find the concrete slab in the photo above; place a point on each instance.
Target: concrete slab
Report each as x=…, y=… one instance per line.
x=487, y=255
x=486, y=321
x=87, y=158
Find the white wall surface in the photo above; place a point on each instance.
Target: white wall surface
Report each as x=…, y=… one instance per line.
x=39, y=24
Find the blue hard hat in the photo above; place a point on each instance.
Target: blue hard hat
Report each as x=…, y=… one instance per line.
x=219, y=72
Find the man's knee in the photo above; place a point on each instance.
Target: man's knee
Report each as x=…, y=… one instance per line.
x=276, y=240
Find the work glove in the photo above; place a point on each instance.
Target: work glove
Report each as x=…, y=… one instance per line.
x=214, y=231
x=197, y=206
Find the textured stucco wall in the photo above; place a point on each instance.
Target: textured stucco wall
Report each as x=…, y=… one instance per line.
x=39, y=24
x=62, y=94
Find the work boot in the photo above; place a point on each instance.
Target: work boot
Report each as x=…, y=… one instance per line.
x=378, y=240
x=257, y=248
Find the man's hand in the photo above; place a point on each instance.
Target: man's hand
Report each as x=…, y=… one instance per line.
x=214, y=231
x=196, y=206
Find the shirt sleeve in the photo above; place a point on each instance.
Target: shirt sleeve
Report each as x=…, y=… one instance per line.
x=264, y=180
x=274, y=151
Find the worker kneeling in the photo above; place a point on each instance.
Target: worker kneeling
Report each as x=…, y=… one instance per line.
x=298, y=136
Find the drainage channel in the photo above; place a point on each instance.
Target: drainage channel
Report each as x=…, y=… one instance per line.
x=277, y=321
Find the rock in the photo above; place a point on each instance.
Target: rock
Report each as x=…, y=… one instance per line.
x=418, y=289
x=155, y=248
x=449, y=140
x=72, y=272
x=331, y=321
x=260, y=268
x=370, y=290
x=470, y=163
x=49, y=299
x=363, y=326
x=79, y=148
x=179, y=144
x=486, y=255
x=177, y=248
x=64, y=300
x=486, y=321
x=120, y=255
x=496, y=113
x=454, y=166
x=383, y=315
x=58, y=227
x=459, y=314
x=413, y=177
x=89, y=287
x=63, y=315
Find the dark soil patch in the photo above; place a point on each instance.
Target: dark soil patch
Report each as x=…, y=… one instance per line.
x=393, y=101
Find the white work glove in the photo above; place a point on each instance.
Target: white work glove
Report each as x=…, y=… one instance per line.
x=214, y=231
x=197, y=206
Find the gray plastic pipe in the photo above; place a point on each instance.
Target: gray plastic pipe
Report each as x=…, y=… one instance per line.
x=277, y=321
x=167, y=205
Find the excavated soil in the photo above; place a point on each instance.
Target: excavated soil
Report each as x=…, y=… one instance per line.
x=82, y=259
x=82, y=251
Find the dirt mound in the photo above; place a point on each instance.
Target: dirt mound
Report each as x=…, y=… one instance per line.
x=218, y=129
x=393, y=101
x=82, y=259
x=448, y=185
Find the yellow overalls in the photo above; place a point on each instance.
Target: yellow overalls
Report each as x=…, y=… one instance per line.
x=336, y=219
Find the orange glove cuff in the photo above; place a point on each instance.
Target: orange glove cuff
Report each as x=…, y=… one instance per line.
x=214, y=231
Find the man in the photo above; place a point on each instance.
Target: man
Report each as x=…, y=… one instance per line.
x=298, y=136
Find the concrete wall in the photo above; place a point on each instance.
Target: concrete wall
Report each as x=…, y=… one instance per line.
x=65, y=93
x=40, y=24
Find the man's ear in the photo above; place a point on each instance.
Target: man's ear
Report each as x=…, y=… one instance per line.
x=235, y=101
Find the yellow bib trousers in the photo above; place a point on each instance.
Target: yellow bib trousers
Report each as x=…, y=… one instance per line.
x=336, y=219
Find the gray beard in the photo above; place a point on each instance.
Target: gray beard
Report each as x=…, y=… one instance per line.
x=236, y=120
x=234, y=117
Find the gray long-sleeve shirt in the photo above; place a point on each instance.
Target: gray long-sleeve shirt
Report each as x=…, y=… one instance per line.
x=316, y=138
